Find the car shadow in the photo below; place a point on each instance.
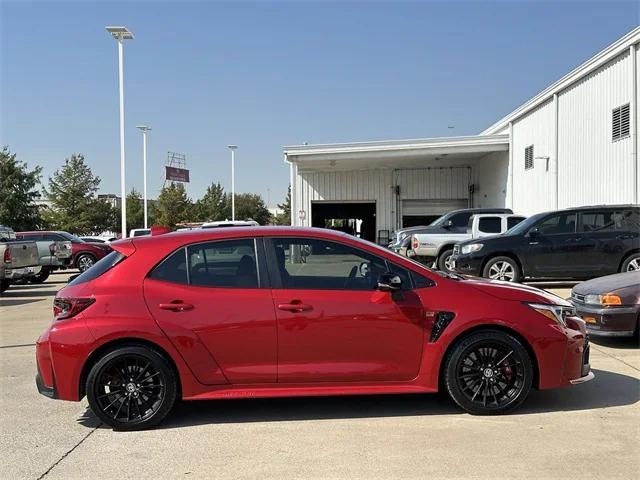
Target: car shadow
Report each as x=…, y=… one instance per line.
x=613, y=342
x=11, y=293
x=12, y=303
x=608, y=389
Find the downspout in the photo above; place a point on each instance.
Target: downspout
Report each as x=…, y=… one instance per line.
x=510, y=169
x=554, y=162
x=634, y=117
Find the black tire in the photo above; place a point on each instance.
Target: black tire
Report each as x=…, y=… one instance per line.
x=84, y=262
x=443, y=260
x=631, y=263
x=41, y=276
x=4, y=285
x=502, y=366
x=151, y=388
x=502, y=268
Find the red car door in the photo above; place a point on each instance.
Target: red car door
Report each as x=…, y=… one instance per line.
x=333, y=325
x=217, y=310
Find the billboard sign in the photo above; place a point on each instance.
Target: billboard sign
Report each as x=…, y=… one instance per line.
x=175, y=174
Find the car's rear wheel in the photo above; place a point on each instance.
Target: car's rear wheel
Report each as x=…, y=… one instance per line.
x=488, y=372
x=631, y=263
x=85, y=261
x=444, y=261
x=131, y=388
x=502, y=268
x=41, y=276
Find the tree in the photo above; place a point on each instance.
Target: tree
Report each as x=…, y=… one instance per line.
x=173, y=206
x=285, y=217
x=135, y=210
x=214, y=205
x=18, y=193
x=74, y=205
x=252, y=206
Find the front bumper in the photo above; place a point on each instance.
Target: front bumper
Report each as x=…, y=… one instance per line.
x=469, y=264
x=611, y=321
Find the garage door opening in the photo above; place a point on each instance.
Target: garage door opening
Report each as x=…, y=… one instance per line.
x=357, y=218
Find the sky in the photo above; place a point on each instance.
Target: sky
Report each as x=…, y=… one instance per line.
x=267, y=74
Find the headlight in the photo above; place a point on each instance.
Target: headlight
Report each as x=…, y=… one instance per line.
x=554, y=312
x=474, y=247
x=608, y=299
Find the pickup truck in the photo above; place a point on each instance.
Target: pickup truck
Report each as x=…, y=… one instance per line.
x=437, y=246
x=54, y=252
x=18, y=259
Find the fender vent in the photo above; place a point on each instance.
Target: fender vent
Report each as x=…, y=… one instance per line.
x=443, y=319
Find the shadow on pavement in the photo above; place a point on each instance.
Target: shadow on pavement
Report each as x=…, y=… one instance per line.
x=11, y=303
x=606, y=390
x=622, y=342
x=11, y=293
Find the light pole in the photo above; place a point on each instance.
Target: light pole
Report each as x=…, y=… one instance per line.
x=144, y=129
x=121, y=34
x=233, y=180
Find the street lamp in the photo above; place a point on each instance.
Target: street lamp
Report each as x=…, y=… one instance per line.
x=121, y=34
x=144, y=129
x=233, y=180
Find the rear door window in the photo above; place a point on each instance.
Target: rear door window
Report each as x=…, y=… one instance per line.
x=490, y=224
x=229, y=263
x=610, y=221
x=513, y=221
x=172, y=269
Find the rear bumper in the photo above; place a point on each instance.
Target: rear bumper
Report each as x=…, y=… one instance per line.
x=18, y=273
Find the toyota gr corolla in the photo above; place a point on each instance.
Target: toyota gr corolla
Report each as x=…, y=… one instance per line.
x=268, y=312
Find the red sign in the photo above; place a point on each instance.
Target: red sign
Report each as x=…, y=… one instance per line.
x=177, y=174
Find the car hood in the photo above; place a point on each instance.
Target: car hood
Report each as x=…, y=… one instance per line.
x=609, y=284
x=515, y=291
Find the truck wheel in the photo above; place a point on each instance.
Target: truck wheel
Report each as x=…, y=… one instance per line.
x=502, y=268
x=40, y=277
x=4, y=284
x=444, y=260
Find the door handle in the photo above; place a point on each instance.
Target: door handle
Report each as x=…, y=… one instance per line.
x=294, y=306
x=176, y=306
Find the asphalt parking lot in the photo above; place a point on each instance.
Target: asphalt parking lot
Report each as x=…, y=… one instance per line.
x=587, y=431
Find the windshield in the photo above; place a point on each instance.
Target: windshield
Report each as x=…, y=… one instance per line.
x=439, y=221
x=73, y=238
x=524, y=225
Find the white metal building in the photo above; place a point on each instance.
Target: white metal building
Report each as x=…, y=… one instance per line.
x=573, y=144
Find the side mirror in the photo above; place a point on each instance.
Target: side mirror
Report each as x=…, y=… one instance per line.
x=448, y=224
x=534, y=232
x=389, y=282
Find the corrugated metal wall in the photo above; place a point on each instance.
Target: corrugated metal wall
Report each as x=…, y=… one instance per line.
x=434, y=183
x=593, y=169
x=532, y=188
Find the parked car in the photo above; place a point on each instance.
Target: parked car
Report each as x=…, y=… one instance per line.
x=106, y=239
x=18, y=259
x=54, y=252
x=83, y=254
x=230, y=223
x=578, y=243
x=429, y=246
x=265, y=312
x=610, y=305
x=139, y=232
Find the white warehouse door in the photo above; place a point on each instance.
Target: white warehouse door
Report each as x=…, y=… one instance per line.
x=432, y=207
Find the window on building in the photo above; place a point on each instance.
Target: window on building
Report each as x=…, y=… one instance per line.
x=620, y=123
x=528, y=157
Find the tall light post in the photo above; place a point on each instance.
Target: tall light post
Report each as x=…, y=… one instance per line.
x=121, y=34
x=144, y=129
x=233, y=180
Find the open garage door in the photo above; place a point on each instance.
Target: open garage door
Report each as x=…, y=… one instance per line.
x=354, y=218
x=423, y=212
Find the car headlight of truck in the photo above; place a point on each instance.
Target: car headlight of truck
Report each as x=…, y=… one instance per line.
x=557, y=313
x=474, y=247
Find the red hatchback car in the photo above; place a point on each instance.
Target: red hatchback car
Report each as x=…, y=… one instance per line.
x=267, y=312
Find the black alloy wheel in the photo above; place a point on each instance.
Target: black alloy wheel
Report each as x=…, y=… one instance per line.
x=488, y=372
x=131, y=388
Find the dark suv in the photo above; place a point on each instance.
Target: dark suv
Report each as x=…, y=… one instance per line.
x=578, y=243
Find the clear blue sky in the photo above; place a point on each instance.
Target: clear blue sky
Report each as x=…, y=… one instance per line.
x=263, y=75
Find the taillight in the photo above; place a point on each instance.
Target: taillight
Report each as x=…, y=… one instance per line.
x=7, y=255
x=69, y=307
x=414, y=243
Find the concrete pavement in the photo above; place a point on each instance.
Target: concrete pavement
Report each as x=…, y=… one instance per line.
x=588, y=431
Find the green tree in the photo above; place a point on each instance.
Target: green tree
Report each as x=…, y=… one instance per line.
x=135, y=210
x=284, y=218
x=252, y=206
x=214, y=205
x=173, y=206
x=74, y=205
x=18, y=192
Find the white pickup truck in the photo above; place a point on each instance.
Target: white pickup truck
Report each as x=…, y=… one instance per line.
x=18, y=259
x=438, y=246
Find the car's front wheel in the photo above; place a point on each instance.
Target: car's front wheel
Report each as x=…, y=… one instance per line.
x=131, y=388
x=502, y=268
x=631, y=263
x=488, y=372
x=444, y=261
x=85, y=262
